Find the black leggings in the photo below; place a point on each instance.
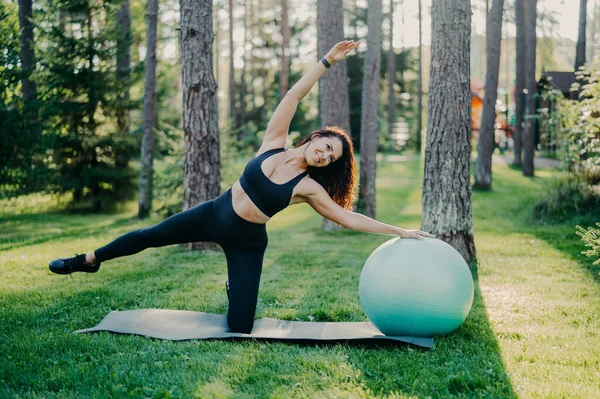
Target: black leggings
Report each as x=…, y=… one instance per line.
x=243, y=242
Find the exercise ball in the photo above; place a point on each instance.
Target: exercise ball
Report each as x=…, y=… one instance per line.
x=420, y=288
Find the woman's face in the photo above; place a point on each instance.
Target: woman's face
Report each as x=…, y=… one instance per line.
x=323, y=151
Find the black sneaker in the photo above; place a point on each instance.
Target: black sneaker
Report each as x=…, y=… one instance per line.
x=74, y=264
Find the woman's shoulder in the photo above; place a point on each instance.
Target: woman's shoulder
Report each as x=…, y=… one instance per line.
x=269, y=148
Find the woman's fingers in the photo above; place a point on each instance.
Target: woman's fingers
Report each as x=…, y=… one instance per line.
x=415, y=235
x=341, y=49
x=350, y=46
x=346, y=43
x=418, y=234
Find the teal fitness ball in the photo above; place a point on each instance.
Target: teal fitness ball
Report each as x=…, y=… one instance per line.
x=420, y=288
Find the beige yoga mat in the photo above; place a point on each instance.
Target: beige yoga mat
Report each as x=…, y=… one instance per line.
x=178, y=325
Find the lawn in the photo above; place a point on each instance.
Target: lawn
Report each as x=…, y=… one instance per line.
x=532, y=332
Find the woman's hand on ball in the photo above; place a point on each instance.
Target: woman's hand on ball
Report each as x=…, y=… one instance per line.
x=418, y=234
x=340, y=50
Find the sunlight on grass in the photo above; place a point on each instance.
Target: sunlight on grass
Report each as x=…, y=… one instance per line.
x=532, y=332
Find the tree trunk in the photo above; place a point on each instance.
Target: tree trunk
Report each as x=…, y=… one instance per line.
x=92, y=105
x=520, y=85
x=402, y=31
x=62, y=16
x=123, y=62
x=418, y=142
x=369, y=113
x=391, y=73
x=217, y=48
x=241, y=117
x=264, y=72
x=334, y=102
x=485, y=146
x=252, y=65
x=285, y=50
x=580, y=53
x=201, y=171
x=123, y=19
x=232, y=111
x=147, y=157
x=590, y=53
x=531, y=85
x=27, y=55
x=446, y=186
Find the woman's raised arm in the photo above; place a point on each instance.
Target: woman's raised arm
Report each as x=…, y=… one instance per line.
x=277, y=129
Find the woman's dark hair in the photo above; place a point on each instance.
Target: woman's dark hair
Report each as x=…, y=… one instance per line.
x=338, y=178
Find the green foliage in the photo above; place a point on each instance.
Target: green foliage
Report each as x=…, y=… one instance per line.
x=591, y=238
x=569, y=196
x=73, y=145
x=576, y=193
x=81, y=96
x=355, y=67
x=168, y=185
x=17, y=145
x=580, y=124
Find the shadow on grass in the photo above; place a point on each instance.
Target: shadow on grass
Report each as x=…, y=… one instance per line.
x=564, y=239
x=465, y=363
x=522, y=195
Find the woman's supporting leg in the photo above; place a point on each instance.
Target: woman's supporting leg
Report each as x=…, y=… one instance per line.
x=192, y=225
x=243, y=269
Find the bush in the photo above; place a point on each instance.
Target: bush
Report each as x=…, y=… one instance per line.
x=591, y=238
x=578, y=121
x=570, y=196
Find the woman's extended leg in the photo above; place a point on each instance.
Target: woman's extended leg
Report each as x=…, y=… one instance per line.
x=193, y=225
x=243, y=269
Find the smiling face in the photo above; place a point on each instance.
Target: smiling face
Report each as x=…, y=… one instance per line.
x=323, y=151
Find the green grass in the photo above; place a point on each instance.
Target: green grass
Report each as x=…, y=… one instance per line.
x=532, y=332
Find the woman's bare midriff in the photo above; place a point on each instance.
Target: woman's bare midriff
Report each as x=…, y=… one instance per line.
x=244, y=207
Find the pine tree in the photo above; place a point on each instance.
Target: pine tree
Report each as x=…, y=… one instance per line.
x=581, y=42
x=391, y=71
x=123, y=19
x=147, y=168
x=418, y=143
x=201, y=176
x=531, y=85
x=486, y=144
x=370, y=112
x=15, y=159
x=79, y=109
x=520, y=81
x=285, y=49
x=446, y=187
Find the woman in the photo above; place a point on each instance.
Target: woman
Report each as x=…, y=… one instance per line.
x=320, y=171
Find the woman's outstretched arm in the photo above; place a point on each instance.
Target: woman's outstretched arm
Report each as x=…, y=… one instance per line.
x=277, y=129
x=319, y=200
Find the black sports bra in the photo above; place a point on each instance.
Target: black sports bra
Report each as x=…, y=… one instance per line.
x=268, y=196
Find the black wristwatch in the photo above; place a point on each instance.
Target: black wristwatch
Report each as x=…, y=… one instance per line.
x=324, y=61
